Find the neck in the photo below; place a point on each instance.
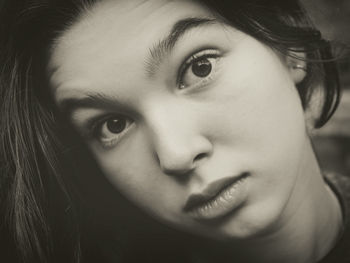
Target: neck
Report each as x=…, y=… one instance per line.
x=308, y=228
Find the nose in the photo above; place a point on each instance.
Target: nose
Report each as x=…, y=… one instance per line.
x=178, y=143
x=180, y=156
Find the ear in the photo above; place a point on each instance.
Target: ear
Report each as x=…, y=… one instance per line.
x=297, y=69
x=297, y=66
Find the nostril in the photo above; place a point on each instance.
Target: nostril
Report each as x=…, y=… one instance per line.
x=200, y=156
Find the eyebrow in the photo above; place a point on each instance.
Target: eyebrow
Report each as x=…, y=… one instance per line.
x=166, y=45
x=96, y=100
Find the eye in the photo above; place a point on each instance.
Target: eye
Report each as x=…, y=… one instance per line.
x=199, y=69
x=110, y=130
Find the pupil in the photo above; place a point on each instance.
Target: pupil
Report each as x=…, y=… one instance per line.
x=202, y=68
x=116, y=125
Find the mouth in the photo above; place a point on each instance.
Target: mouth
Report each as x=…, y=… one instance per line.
x=218, y=199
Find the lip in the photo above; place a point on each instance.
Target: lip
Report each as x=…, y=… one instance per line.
x=218, y=198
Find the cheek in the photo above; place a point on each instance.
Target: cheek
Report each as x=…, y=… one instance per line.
x=257, y=104
x=264, y=120
x=129, y=166
x=134, y=171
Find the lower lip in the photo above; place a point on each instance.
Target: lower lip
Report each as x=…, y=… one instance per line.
x=229, y=199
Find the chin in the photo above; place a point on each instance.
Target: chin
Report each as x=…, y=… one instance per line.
x=246, y=224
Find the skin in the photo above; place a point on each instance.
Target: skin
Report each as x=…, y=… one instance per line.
x=246, y=117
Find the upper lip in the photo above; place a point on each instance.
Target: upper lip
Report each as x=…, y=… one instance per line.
x=212, y=190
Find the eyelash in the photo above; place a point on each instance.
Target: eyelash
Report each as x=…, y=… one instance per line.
x=195, y=57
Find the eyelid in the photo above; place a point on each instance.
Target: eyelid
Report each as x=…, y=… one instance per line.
x=203, y=52
x=94, y=122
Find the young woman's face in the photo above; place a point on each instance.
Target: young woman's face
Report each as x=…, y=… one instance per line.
x=198, y=124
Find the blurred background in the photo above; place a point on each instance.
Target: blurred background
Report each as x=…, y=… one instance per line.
x=332, y=142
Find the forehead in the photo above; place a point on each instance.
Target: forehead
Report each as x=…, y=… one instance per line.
x=108, y=33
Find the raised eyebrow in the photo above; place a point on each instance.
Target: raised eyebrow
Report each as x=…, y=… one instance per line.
x=166, y=45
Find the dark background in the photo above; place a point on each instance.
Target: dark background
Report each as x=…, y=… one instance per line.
x=332, y=142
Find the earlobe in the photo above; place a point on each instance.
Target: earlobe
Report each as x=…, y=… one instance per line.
x=297, y=66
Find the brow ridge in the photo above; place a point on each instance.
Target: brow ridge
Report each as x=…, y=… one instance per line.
x=157, y=55
x=166, y=45
x=95, y=100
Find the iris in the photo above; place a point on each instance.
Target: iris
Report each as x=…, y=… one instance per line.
x=116, y=125
x=201, y=68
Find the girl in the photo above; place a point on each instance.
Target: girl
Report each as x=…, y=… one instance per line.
x=196, y=115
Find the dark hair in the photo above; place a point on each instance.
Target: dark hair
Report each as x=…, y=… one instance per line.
x=35, y=147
